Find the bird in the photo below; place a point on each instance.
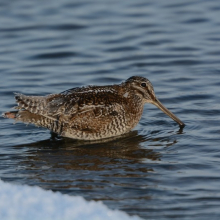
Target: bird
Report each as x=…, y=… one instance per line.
x=90, y=112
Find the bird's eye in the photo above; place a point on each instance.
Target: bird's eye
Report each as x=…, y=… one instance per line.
x=143, y=84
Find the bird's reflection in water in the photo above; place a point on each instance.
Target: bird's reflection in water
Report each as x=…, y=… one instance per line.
x=95, y=170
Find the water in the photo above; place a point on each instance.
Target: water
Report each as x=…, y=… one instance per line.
x=156, y=171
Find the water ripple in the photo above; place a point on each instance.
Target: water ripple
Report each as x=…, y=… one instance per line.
x=157, y=171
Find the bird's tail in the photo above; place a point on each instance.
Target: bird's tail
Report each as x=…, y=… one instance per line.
x=34, y=104
x=26, y=117
x=38, y=120
x=12, y=114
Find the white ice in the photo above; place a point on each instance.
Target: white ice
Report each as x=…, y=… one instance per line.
x=21, y=202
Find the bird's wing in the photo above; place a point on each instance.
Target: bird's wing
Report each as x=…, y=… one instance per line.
x=85, y=106
x=74, y=104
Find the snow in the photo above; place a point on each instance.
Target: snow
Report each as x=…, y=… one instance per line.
x=21, y=202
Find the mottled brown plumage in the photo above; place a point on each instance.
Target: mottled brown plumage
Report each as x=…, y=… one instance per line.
x=92, y=112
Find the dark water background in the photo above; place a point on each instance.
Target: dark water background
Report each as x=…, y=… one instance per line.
x=155, y=172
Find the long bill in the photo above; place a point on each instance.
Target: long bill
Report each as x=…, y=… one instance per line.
x=168, y=112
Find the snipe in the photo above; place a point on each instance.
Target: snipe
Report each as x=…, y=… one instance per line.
x=92, y=112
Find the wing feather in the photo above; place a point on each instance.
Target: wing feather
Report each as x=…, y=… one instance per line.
x=78, y=107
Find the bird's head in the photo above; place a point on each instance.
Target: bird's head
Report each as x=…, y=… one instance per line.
x=143, y=88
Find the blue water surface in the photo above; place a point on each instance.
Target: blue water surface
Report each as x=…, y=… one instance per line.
x=156, y=171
